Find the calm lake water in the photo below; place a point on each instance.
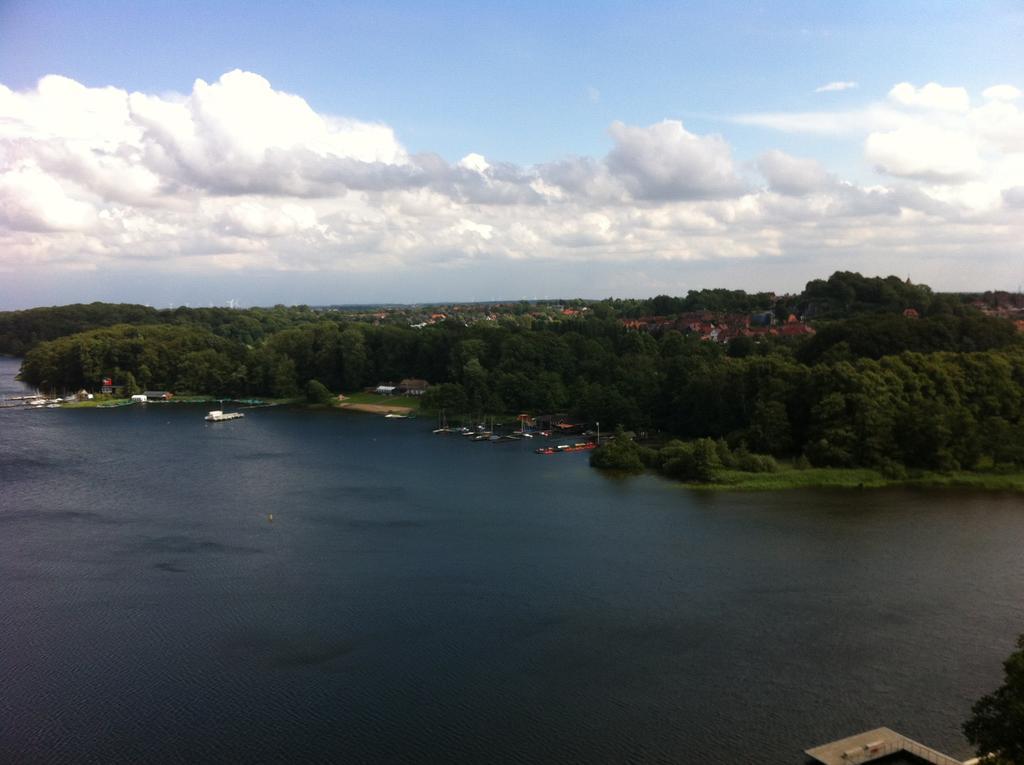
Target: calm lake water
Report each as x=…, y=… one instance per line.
x=419, y=598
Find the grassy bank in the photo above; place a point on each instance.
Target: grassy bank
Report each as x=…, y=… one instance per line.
x=368, y=402
x=96, y=402
x=100, y=403
x=394, y=402
x=857, y=478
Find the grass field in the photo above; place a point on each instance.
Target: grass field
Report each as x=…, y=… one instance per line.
x=92, y=404
x=857, y=478
x=408, y=402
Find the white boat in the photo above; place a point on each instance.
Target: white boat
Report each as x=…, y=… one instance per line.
x=218, y=415
x=444, y=427
x=523, y=432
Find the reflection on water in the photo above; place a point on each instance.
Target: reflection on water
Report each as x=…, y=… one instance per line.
x=421, y=598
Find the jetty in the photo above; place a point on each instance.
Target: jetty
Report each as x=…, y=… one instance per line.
x=876, y=744
x=218, y=415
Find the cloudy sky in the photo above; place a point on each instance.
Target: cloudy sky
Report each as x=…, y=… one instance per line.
x=337, y=153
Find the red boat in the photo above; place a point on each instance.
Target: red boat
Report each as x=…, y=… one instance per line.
x=580, y=447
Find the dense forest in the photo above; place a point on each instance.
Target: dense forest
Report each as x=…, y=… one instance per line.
x=873, y=387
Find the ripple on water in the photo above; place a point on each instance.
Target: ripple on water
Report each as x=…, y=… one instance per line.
x=420, y=599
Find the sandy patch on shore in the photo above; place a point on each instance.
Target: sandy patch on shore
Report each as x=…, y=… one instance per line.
x=376, y=408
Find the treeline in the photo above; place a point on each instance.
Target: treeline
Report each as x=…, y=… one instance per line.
x=696, y=461
x=23, y=330
x=717, y=300
x=875, y=336
x=879, y=389
x=20, y=331
x=844, y=294
x=939, y=411
x=847, y=293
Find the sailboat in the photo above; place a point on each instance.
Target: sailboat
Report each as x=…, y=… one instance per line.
x=482, y=434
x=523, y=432
x=443, y=424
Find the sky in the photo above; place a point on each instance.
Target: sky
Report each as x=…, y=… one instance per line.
x=199, y=153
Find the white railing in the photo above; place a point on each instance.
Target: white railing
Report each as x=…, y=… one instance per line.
x=927, y=753
x=901, y=743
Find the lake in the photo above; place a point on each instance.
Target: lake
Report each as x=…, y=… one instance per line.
x=422, y=598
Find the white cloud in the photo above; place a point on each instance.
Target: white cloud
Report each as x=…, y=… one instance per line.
x=830, y=123
x=930, y=134
x=924, y=152
x=999, y=125
x=236, y=175
x=475, y=162
x=254, y=219
x=664, y=161
x=931, y=96
x=793, y=175
x=100, y=114
x=32, y=200
x=239, y=134
x=1014, y=197
x=483, y=230
x=1001, y=93
x=836, y=86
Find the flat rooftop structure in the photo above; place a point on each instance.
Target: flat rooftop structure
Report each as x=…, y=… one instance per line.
x=874, y=745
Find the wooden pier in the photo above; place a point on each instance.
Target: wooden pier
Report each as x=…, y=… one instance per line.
x=875, y=744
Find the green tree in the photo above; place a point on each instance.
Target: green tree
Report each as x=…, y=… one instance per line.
x=705, y=459
x=317, y=393
x=450, y=397
x=354, y=360
x=131, y=387
x=996, y=725
x=769, y=428
x=694, y=462
x=282, y=377
x=741, y=347
x=474, y=380
x=621, y=453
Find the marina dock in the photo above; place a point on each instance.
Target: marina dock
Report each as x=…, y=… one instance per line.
x=874, y=745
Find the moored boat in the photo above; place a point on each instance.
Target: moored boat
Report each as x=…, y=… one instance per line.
x=219, y=415
x=565, y=448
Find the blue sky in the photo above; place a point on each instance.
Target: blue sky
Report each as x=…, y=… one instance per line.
x=513, y=80
x=527, y=85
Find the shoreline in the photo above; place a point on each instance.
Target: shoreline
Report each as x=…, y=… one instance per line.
x=786, y=479
x=354, y=406
x=859, y=479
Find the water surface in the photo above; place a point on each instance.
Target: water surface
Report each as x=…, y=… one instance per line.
x=421, y=598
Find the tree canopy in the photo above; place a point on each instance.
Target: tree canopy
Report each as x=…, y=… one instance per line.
x=996, y=726
x=942, y=392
